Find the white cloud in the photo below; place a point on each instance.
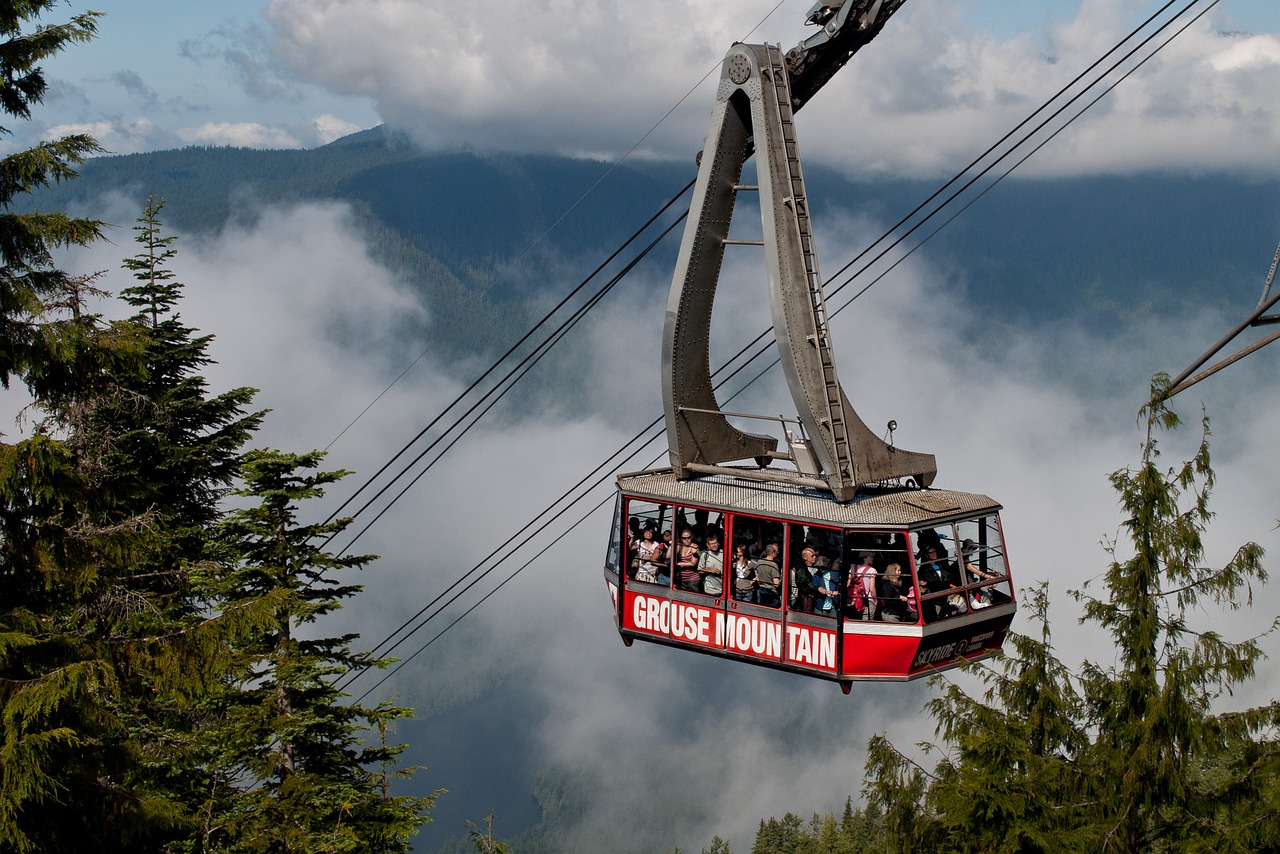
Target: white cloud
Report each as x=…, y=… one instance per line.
x=1245, y=53
x=116, y=136
x=238, y=134
x=329, y=127
x=929, y=94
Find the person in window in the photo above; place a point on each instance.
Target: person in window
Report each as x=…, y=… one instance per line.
x=937, y=575
x=649, y=552
x=633, y=556
x=711, y=566
x=896, y=596
x=866, y=575
x=935, y=570
x=744, y=574
x=802, y=581
x=687, y=562
x=826, y=589
x=974, y=574
x=768, y=577
x=664, y=568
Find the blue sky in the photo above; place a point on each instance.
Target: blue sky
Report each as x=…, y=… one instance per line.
x=571, y=78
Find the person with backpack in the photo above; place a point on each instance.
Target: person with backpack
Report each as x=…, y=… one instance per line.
x=866, y=576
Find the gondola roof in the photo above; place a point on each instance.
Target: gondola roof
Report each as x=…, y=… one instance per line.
x=870, y=508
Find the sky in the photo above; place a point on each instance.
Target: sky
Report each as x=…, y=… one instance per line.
x=708, y=744
x=580, y=78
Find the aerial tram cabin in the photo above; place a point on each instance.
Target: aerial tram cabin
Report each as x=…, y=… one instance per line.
x=842, y=503
x=954, y=605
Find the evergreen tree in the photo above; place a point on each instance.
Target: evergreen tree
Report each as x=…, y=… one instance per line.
x=1127, y=757
x=30, y=340
x=283, y=723
x=63, y=745
x=110, y=647
x=782, y=836
x=717, y=846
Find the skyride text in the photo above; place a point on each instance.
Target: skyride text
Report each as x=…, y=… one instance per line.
x=735, y=632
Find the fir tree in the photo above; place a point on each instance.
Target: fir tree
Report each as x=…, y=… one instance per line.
x=61, y=740
x=113, y=649
x=30, y=340
x=1128, y=757
x=284, y=724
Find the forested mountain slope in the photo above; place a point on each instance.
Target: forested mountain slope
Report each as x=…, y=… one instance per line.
x=517, y=226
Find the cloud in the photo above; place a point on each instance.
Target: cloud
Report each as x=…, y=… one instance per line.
x=930, y=93
x=133, y=83
x=329, y=127
x=240, y=134
x=117, y=136
x=242, y=50
x=558, y=77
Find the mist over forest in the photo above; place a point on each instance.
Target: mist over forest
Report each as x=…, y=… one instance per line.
x=1017, y=346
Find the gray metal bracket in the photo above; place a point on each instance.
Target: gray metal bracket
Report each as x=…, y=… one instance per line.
x=754, y=109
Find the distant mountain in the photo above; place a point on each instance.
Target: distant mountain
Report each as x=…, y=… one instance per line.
x=456, y=224
x=1093, y=248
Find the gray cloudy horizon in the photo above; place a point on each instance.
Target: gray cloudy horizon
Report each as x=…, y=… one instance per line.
x=944, y=80
x=929, y=93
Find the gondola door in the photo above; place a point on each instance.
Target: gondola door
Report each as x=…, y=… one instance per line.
x=697, y=578
x=755, y=577
x=811, y=625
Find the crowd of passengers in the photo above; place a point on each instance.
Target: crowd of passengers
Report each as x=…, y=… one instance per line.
x=878, y=587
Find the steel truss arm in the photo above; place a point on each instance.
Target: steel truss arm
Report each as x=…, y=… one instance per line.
x=754, y=106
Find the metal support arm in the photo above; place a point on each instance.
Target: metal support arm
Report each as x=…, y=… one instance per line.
x=754, y=106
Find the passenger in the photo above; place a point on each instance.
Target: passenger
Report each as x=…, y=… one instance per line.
x=896, y=596
x=866, y=575
x=802, y=581
x=768, y=576
x=826, y=589
x=649, y=552
x=687, y=562
x=711, y=566
x=973, y=573
x=633, y=543
x=744, y=574
x=938, y=575
x=935, y=575
x=664, y=569
x=984, y=597
x=929, y=537
x=855, y=598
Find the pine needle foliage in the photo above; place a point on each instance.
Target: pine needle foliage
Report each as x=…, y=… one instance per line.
x=107, y=508
x=1130, y=756
x=323, y=766
x=121, y=683
x=28, y=277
